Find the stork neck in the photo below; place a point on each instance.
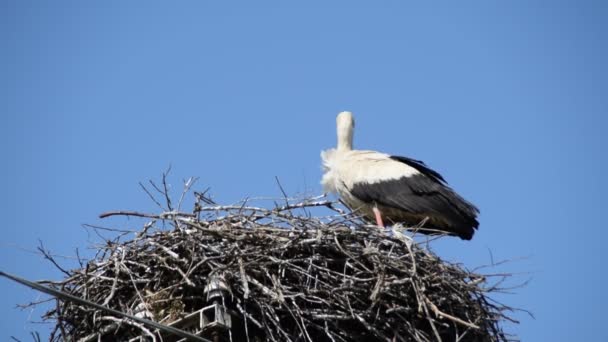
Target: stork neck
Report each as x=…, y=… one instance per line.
x=345, y=139
x=345, y=146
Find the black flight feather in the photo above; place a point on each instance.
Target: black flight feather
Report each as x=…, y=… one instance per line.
x=420, y=166
x=424, y=194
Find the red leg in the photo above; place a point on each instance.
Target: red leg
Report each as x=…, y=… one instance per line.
x=378, y=217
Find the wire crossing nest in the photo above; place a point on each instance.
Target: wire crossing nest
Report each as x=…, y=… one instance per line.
x=291, y=277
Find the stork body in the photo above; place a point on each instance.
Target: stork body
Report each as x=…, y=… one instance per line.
x=396, y=189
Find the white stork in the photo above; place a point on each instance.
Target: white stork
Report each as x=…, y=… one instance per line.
x=400, y=189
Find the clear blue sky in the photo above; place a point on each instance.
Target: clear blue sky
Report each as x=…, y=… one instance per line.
x=507, y=99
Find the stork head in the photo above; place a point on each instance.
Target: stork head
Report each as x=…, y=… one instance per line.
x=345, y=124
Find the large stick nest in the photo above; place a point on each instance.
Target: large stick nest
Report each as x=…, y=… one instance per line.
x=291, y=277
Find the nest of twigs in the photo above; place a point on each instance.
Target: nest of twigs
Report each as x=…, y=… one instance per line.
x=291, y=277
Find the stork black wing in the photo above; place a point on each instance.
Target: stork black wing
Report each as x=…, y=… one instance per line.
x=420, y=166
x=423, y=194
